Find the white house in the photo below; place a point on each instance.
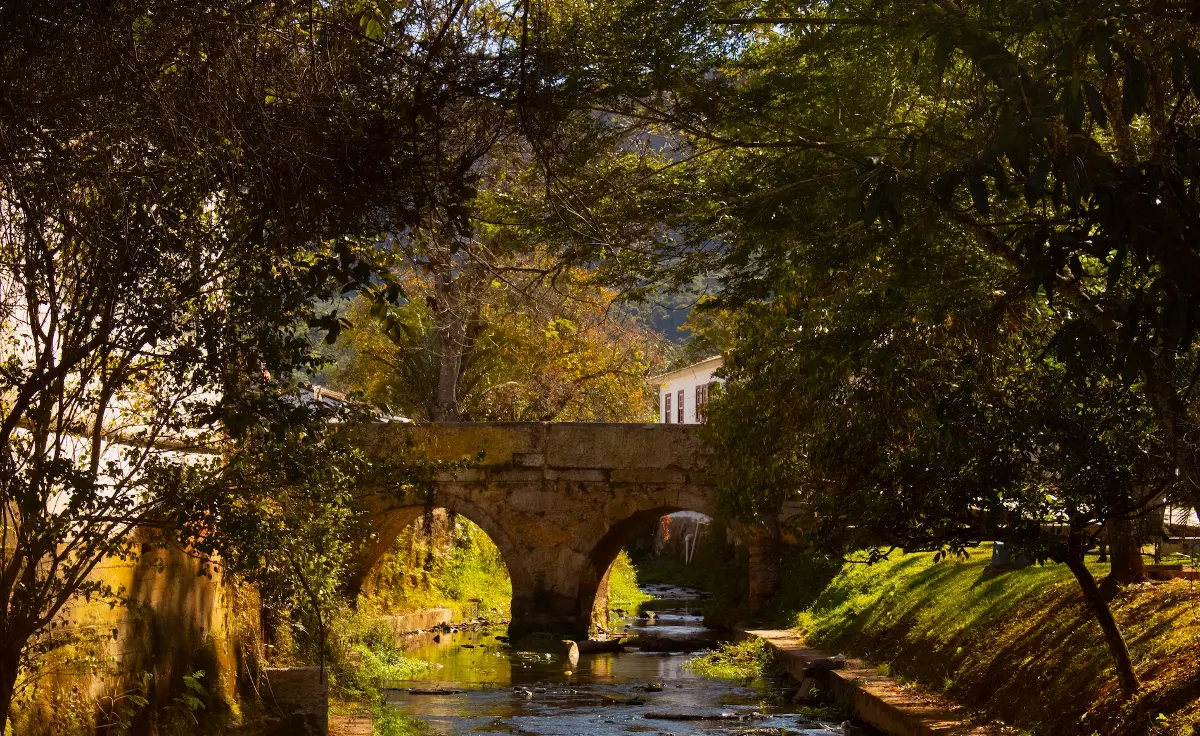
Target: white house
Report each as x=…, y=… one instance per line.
x=683, y=393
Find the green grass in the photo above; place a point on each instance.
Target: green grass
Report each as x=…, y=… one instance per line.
x=364, y=656
x=390, y=722
x=744, y=660
x=460, y=569
x=1019, y=645
x=623, y=591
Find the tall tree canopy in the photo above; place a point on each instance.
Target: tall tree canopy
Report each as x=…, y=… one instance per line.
x=963, y=235
x=536, y=348
x=180, y=185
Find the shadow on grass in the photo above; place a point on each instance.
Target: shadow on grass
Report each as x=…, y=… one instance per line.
x=1019, y=646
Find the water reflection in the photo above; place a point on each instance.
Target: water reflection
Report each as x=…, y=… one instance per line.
x=532, y=692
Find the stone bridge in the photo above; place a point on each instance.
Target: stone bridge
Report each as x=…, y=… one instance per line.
x=558, y=499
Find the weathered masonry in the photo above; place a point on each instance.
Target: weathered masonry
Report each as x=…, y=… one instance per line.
x=559, y=500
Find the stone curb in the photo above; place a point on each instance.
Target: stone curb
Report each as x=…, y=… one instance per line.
x=874, y=698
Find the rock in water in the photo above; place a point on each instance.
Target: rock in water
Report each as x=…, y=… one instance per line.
x=572, y=651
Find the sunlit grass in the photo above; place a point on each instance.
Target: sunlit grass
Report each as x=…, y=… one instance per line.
x=390, y=722
x=743, y=660
x=1020, y=644
x=623, y=591
x=466, y=574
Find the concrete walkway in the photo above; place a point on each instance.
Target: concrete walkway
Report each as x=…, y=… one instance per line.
x=874, y=698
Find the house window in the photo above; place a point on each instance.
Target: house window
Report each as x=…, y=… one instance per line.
x=701, y=400
x=667, y=408
x=679, y=405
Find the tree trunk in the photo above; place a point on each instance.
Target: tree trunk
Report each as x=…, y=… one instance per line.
x=10, y=662
x=1112, y=633
x=451, y=332
x=446, y=406
x=1125, y=557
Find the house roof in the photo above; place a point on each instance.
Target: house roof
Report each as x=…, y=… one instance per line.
x=703, y=366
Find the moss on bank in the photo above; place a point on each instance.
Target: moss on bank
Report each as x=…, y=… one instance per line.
x=1018, y=645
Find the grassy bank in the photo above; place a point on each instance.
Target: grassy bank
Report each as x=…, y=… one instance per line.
x=1019, y=646
x=454, y=565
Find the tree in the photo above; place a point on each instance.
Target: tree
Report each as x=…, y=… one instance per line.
x=891, y=431
x=561, y=350
x=1061, y=141
x=172, y=203
x=1035, y=163
x=284, y=511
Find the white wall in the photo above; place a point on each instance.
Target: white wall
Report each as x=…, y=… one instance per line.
x=686, y=381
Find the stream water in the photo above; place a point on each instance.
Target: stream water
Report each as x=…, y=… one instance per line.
x=514, y=690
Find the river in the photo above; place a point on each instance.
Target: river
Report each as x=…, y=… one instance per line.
x=515, y=690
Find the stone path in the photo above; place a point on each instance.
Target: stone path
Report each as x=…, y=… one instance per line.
x=351, y=724
x=876, y=699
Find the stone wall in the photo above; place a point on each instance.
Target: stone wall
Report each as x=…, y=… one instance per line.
x=176, y=620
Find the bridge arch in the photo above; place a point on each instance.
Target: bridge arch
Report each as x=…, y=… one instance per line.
x=593, y=582
x=391, y=517
x=558, y=499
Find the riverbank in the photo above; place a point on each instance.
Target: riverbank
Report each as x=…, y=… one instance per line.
x=1017, y=646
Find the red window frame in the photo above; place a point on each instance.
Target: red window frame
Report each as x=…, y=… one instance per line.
x=680, y=408
x=667, y=407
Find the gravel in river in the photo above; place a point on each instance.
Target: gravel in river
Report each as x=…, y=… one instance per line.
x=537, y=692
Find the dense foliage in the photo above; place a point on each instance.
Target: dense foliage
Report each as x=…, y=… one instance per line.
x=562, y=350
x=961, y=236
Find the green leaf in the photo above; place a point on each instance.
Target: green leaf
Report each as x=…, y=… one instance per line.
x=1191, y=59
x=1073, y=106
x=941, y=56
x=1114, y=269
x=892, y=205
x=874, y=204
x=374, y=29
x=1104, y=55
x=1035, y=183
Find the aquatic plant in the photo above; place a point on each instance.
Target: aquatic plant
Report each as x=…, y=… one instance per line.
x=742, y=660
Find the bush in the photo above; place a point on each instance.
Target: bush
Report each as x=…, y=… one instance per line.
x=744, y=660
x=623, y=591
x=364, y=656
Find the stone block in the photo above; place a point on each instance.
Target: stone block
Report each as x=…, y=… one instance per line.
x=592, y=445
x=577, y=475
x=517, y=475
x=453, y=441
x=303, y=690
x=465, y=475
x=648, y=476
x=825, y=664
x=529, y=459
